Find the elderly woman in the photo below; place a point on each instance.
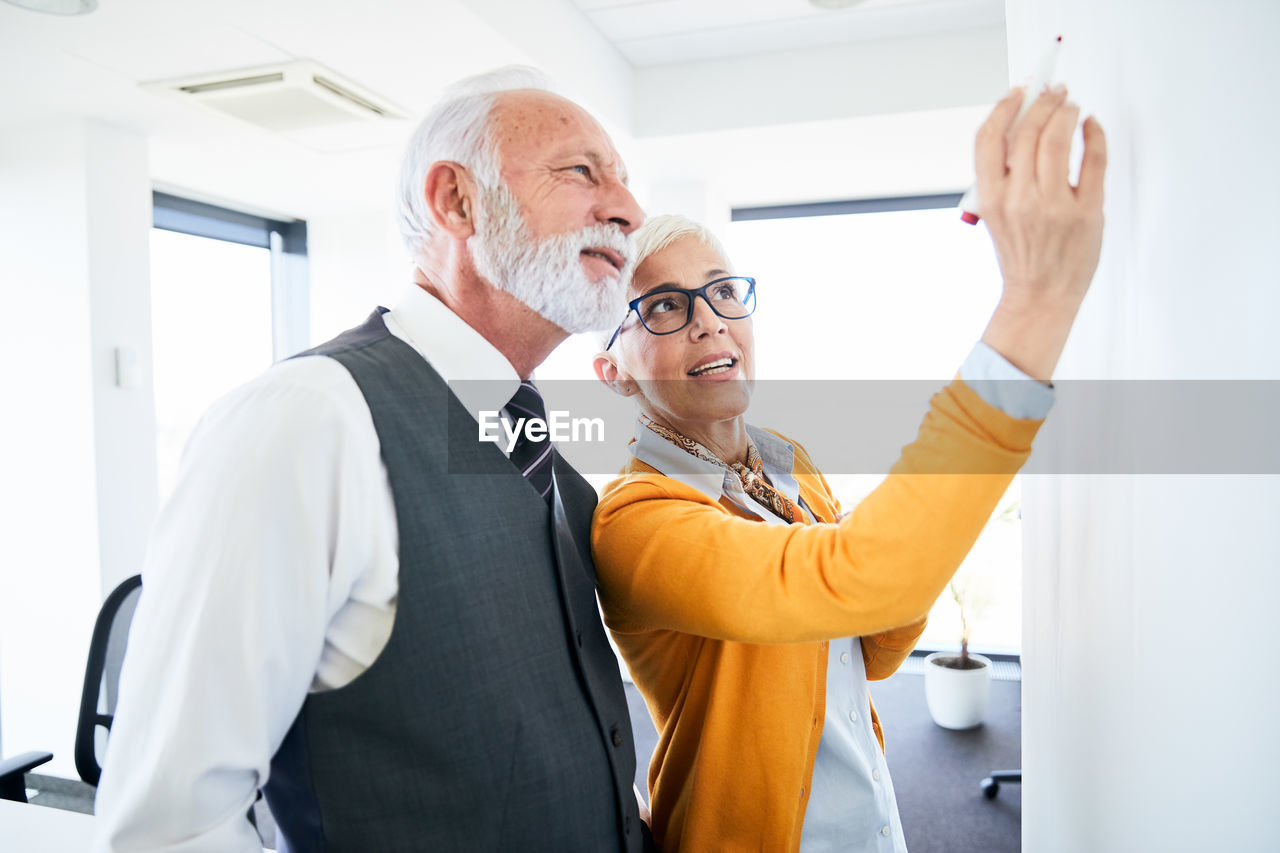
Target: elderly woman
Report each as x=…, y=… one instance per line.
x=750, y=610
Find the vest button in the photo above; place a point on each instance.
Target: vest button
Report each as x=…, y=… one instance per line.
x=616, y=735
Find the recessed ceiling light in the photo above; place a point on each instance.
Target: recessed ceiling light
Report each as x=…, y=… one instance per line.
x=834, y=4
x=57, y=7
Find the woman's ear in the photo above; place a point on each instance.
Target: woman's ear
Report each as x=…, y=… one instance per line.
x=451, y=198
x=611, y=374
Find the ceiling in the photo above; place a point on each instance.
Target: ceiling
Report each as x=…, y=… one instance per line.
x=656, y=32
x=68, y=69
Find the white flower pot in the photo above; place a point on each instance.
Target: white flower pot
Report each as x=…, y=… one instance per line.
x=957, y=698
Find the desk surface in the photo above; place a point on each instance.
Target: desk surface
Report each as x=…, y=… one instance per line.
x=38, y=829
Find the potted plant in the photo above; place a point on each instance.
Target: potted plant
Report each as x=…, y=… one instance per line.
x=957, y=687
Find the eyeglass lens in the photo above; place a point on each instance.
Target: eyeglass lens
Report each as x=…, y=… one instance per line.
x=731, y=298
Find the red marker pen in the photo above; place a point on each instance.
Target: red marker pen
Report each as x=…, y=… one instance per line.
x=1030, y=91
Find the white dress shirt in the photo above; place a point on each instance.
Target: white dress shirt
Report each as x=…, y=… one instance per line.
x=272, y=572
x=852, y=805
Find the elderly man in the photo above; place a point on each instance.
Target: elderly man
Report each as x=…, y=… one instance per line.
x=391, y=626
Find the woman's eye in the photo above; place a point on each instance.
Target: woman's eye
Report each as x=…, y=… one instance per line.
x=661, y=306
x=725, y=292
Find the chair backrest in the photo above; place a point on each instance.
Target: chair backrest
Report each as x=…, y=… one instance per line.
x=102, y=677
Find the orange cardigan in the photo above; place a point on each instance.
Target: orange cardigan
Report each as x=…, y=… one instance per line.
x=723, y=620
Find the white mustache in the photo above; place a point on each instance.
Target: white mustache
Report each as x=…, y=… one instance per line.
x=602, y=236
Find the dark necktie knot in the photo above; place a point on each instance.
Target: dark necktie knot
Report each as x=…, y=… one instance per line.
x=532, y=456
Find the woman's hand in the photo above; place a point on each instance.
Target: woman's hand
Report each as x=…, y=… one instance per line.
x=1047, y=233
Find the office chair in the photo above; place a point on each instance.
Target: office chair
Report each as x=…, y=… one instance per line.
x=97, y=699
x=991, y=784
x=13, y=772
x=102, y=676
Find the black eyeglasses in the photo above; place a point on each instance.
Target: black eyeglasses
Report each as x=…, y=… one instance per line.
x=669, y=309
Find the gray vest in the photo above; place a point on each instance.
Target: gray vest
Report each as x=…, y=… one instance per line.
x=494, y=719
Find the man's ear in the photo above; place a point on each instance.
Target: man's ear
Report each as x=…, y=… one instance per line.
x=611, y=374
x=451, y=198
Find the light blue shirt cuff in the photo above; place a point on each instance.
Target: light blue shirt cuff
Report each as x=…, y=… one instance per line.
x=1004, y=386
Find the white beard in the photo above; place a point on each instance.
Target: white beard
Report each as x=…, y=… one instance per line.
x=547, y=275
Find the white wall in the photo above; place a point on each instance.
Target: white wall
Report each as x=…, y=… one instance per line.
x=555, y=36
x=1148, y=692
x=357, y=262
x=78, y=454
x=915, y=153
x=822, y=83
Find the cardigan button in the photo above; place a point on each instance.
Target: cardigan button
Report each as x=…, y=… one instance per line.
x=617, y=736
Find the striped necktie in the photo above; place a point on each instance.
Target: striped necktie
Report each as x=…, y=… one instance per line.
x=532, y=457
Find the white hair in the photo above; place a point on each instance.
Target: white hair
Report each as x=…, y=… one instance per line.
x=457, y=129
x=659, y=232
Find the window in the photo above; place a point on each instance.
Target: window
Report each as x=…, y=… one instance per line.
x=887, y=289
x=228, y=297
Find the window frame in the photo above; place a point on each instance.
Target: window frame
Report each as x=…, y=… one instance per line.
x=287, y=242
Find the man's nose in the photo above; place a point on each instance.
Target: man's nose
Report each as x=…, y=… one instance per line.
x=621, y=208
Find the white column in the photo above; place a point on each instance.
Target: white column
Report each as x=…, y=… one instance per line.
x=118, y=231
x=78, y=453
x=1150, y=602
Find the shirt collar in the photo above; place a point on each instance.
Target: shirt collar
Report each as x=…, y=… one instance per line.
x=456, y=351
x=656, y=452
x=779, y=458
x=713, y=481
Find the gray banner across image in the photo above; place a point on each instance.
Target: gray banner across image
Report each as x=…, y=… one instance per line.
x=1103, y=427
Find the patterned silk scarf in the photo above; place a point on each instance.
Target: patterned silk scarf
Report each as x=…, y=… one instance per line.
x=751, y=474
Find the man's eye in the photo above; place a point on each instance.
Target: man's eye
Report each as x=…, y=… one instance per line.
x=582, y=170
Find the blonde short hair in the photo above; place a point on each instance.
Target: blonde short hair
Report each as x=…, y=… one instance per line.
x=659, y=232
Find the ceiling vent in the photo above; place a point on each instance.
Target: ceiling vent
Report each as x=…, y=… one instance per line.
x=301, y=100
